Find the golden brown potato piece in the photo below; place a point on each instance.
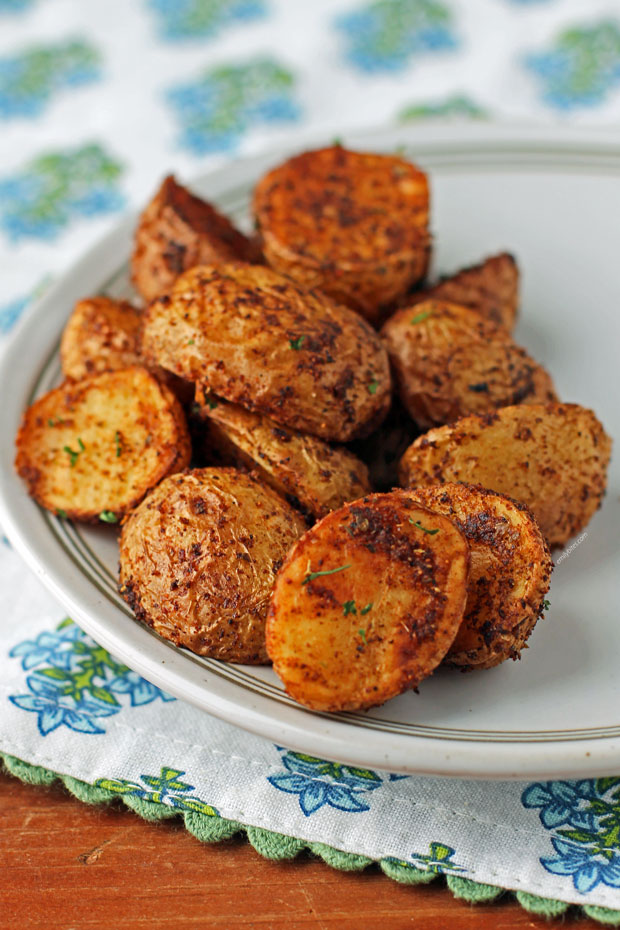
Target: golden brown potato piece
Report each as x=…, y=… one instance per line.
x=354, y=225
x=367, y=603
x=177, y=231
x=553, y=458
x=91, y=450
x=509, y=576
x=101, y=335
x=199, y=557
x=491, y=288
x=248, y=334
x=312, y=475
x=449, y=361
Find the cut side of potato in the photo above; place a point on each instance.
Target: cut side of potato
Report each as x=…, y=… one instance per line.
x=101, y=335
x=491, y=288
x=352, y=224
x=449, y=362
x=367, y=603
x=177, y=231
x=91, y=450
x=199, y=558
x=251, y=336
x=509, y=576
x=553, y=458
x=312, y=475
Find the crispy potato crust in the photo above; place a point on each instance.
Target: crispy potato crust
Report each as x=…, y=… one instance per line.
x=312, y=475
x=251, y=336
x=367, y=603
x=491, y=288
x=98, y=446
x=101, y=335
x=199, y=557
x=354, y=225
x=449, y=361
x=509, y=576
x=553, y=458
x=177, y=231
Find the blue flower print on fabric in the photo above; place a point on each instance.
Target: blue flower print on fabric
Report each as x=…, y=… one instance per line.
x=165, y=788
x=15, y=6
x=220, y=106
x=581, y=68
x=585, y=818
x=386, y=35
x=76, y=682
x=11, y=312
x=318, y=783
x=199, y=19
x=30, y=79
x=56, y=188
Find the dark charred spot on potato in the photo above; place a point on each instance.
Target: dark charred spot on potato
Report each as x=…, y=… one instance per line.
x=481, y=387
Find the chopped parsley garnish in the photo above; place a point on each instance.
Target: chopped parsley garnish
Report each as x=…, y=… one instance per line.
x=372, y=387
x=118, y=443
x=55, y=421
x=211, y=404
x=190, y=342
x=61, y=513
x=331, y=571
x=546, y=605
x=337, y=141
x=420, y=317
x=106, y=516
x=365, y=609
x=423, y=528
x=349, y=608
x=363, y=635
x=296, y=343
x=73, y=455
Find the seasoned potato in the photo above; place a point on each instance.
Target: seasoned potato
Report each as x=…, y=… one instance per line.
x=551, y=457
x=491, y=288
x=352, y=224
x=367, y=603
x=101, y=335
x=251, y=336
x=509, y=576
x=91, y=450
x=312, y=475
x=449, y=361
x=382, y=451
x=177, y=231
x=199, y=557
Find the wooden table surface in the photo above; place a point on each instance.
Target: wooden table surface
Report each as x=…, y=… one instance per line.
x=67, y=866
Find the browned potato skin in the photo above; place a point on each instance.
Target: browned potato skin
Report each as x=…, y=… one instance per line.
x=491, y=288
x=251, y=336
x=199, y=557
x=178, y=230
x=101, y=335
x=553, y=458
x=415, y=581
x=352, y=224
x=312, y=475
x=134, y=434
x=509, y=576
x=449, y=361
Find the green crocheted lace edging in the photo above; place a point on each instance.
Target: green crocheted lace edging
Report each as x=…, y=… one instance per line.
x=276, y=846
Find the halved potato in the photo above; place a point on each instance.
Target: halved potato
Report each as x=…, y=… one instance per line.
x=199, y=557
x=178, y=230
x=312, y=475
x=101, y=335
x=509, y=576
x=353, y=224
x=553, y=458
x=449, y=361
x=91, y=450
x=491, y=288
x=367, y=603
x=248, y=334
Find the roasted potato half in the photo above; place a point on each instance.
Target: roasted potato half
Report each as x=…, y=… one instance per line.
x=509, y=575
x=353, y=224
x=553, y=458
x=199, y=557
x=91, y=450
x=449, y=361
x=251, y=336
x=177, y=231
x=491, y=288
x=312, y=475
x=367, y=603
x=101, y=335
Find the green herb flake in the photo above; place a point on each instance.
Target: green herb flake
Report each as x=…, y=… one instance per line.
x=363, y=635
x=81, y=444
x=337, y=142
x=423, y=528
x=372, y=387
x=332, y=571
x=365, y=609
x=546, y=604
x=296, y=343
x=190, y=342
x=73, y=455
x=106, y=516
x=118, y=443
x=349, y=608
x=55, y=421
x=420, y=317
x=61, y=513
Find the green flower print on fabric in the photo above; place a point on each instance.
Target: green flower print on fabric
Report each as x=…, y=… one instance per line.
x=199, y=19
x=165, y=788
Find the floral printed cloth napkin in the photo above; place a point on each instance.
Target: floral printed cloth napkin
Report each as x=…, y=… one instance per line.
x=91, y=116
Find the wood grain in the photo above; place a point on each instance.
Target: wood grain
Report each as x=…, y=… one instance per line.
x=67, y=866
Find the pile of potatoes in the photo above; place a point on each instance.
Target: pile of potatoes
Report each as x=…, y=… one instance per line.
x=255, y=427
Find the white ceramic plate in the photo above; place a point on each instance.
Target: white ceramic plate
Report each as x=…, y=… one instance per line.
x=554, y=200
